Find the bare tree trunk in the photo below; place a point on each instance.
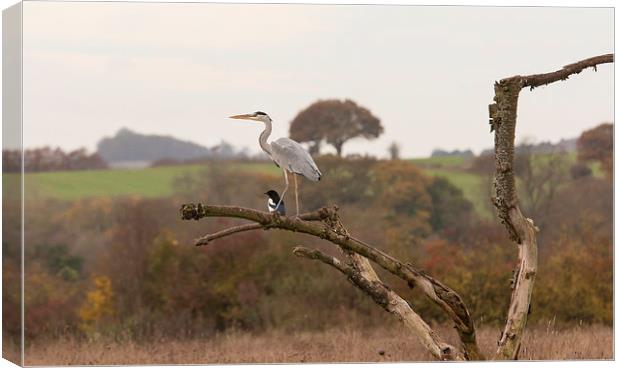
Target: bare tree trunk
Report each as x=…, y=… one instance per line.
x=503, y=120
x=338, y=147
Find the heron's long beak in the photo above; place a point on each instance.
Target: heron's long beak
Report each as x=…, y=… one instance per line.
x=243, y=117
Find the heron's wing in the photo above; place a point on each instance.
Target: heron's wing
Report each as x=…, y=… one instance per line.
x=292, y=156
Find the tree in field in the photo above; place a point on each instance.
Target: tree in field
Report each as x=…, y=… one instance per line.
x=597, y=144
x=335, y=122
x=394, y=151
x=355, y=256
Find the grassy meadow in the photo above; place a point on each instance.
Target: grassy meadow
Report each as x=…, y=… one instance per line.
x=151, y=182
x=158, y=182
x=348, y=345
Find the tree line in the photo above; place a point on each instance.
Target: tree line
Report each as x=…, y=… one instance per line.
x=51, y=159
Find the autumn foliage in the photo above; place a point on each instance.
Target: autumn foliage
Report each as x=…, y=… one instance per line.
x=597, y=144
x=126, y=267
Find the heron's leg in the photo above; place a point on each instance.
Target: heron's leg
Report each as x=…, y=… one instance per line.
x=285, y=188
x=296, y=194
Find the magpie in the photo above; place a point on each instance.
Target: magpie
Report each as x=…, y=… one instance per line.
x=273, y=200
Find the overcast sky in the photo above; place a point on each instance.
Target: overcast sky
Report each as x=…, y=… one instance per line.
x=426, y=72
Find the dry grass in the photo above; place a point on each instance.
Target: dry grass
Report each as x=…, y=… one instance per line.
x=540, y=343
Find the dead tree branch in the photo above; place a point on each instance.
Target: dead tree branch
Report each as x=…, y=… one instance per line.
x=390, y=301
x=503, y=120
x=222, y=233
x=537, y=80
x=197, y=211
x=330, y=229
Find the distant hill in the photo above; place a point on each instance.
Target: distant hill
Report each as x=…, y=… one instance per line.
x=129, y=146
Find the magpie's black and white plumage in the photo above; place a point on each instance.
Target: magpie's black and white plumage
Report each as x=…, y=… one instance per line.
x=274, y=203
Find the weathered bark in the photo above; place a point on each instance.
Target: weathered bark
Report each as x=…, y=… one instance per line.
x=226, y=232
x=503, y=120
x=537, y=80
x=395, y=304
x=357, y=252
x=391, y=302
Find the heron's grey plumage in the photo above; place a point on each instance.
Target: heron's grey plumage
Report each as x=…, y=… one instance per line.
x=292, y=156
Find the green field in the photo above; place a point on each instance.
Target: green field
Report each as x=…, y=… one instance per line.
x=152, y=182
x=473, y=187
x=159, y=181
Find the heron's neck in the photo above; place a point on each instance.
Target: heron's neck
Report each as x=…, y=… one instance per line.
x=262, y=139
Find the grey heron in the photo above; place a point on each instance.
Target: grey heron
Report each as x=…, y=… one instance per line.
x=287, y=154
x=272, y=203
